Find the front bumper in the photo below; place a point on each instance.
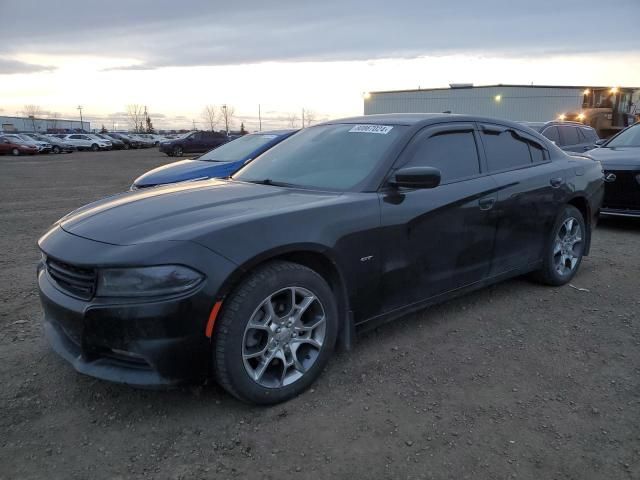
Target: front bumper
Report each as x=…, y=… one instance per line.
x=149, y=343
x=139, y=344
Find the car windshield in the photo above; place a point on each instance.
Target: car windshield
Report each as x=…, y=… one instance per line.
x=628, y=138
x=333, y=157
x=237, y=149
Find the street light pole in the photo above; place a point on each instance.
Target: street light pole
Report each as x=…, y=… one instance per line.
x=226, y=118
x=81, y=122
x=259, y=118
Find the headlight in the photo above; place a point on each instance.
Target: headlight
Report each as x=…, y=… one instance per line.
x=146, y=281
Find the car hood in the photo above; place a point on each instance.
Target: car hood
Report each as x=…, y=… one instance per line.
x=616, y=156
x=184, y=211
x=185, y=170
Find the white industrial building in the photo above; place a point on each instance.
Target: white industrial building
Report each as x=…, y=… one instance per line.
x=534, y=103
x=34, y=124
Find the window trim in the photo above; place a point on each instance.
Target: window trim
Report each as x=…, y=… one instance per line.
x=527, y=138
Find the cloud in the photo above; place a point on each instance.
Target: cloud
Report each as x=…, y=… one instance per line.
x=165, y=33
x=11, y=67
x=129, y=67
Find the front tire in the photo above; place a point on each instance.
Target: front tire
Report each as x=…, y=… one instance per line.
x=177, y=151
x=15, y=152
x=56, y=149
x=565, y=248
x=94, y=147
x=276, y=333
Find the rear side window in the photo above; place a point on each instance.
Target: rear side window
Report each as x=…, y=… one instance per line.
x=552, y=134
x=538, y=154
x=505, y=151
x=589, y=134
x=454, y=153
x=569, y=135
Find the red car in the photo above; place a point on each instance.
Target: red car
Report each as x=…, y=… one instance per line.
x=8, y=146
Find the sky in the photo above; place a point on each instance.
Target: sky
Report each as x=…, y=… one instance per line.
x=286, y=56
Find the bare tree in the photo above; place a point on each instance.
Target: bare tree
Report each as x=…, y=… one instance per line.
x=227, y=115
x=32, y=111
x=136, y=116
x=210, y=116
x=292, y=118
x=309, y=118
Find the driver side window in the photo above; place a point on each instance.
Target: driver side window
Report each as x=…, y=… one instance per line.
x=453, y=152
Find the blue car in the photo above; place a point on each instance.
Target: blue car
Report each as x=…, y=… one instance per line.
x=219, y=162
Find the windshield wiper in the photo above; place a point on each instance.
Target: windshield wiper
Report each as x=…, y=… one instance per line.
x=268, y=181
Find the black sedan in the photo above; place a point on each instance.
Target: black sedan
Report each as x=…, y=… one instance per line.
x=620, y=158
x=256, y=279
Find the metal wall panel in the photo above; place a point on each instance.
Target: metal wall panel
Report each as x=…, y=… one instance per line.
x=516, y=103
x=25, y=124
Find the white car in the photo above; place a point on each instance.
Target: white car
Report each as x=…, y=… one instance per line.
x=43, y=147
x=85, y=141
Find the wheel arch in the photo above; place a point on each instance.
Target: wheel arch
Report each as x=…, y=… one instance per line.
x=316, y=257
x=582, y=204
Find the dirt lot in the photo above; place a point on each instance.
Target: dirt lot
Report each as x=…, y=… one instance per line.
x=516, y=381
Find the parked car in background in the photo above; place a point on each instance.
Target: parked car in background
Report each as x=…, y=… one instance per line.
x=128, y=141
x=345, y=225
x=569, y=136
x=620, y=159
x=154, y=138
x=84, y=141
x=193, y=142
x=99, y=138
x=144, y=142
x=116, y=143
x=43, y=147
x=57, y=144
x=219, y=162
x=12, y=146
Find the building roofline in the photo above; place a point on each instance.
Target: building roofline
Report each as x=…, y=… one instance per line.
x=507, y=85
x=44, y=119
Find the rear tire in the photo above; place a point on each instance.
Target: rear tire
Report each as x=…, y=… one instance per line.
x=564, y=249
x=275, y=334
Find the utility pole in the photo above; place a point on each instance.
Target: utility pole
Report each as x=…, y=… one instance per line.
x=81, y=122
x=226, y=118
x=259, y=119
x=194, y=124
x=303, y=118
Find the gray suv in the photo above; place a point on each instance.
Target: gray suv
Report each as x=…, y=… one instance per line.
x=569, y=136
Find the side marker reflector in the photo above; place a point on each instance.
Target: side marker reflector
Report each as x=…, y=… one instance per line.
x=212, y=318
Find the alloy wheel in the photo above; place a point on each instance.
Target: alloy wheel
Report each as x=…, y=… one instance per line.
x=567, y=247
x=15, y=152
x=284, y=337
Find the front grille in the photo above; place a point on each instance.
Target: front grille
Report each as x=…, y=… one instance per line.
x=624, y=191
x=79, y=282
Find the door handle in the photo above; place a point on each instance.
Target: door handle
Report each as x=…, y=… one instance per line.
x=487, y=203
x=556, y=182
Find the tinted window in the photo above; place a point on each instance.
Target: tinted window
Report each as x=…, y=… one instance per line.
x=569, y=135
x=336, y=157
x=552, y=134
x=75, y=137
x=453, y=153
x=537, y=152
x=505, y=151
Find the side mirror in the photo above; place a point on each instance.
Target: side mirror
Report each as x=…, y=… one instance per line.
x=416, y=177
x=600, y=142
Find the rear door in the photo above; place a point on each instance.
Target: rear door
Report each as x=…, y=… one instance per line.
x=530, y=192
x=193, y=143
x=436, y=240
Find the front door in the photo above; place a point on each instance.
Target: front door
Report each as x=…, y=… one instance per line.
x=437, y=240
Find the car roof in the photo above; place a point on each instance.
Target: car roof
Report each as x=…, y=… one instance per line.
x=275, y=132
x=555, y=122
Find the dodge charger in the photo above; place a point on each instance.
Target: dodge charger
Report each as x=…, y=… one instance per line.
x=255, y=280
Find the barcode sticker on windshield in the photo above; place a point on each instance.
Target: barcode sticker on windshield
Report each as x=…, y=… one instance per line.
x=381, y=129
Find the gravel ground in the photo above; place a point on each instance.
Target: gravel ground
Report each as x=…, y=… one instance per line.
x=515, y=381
